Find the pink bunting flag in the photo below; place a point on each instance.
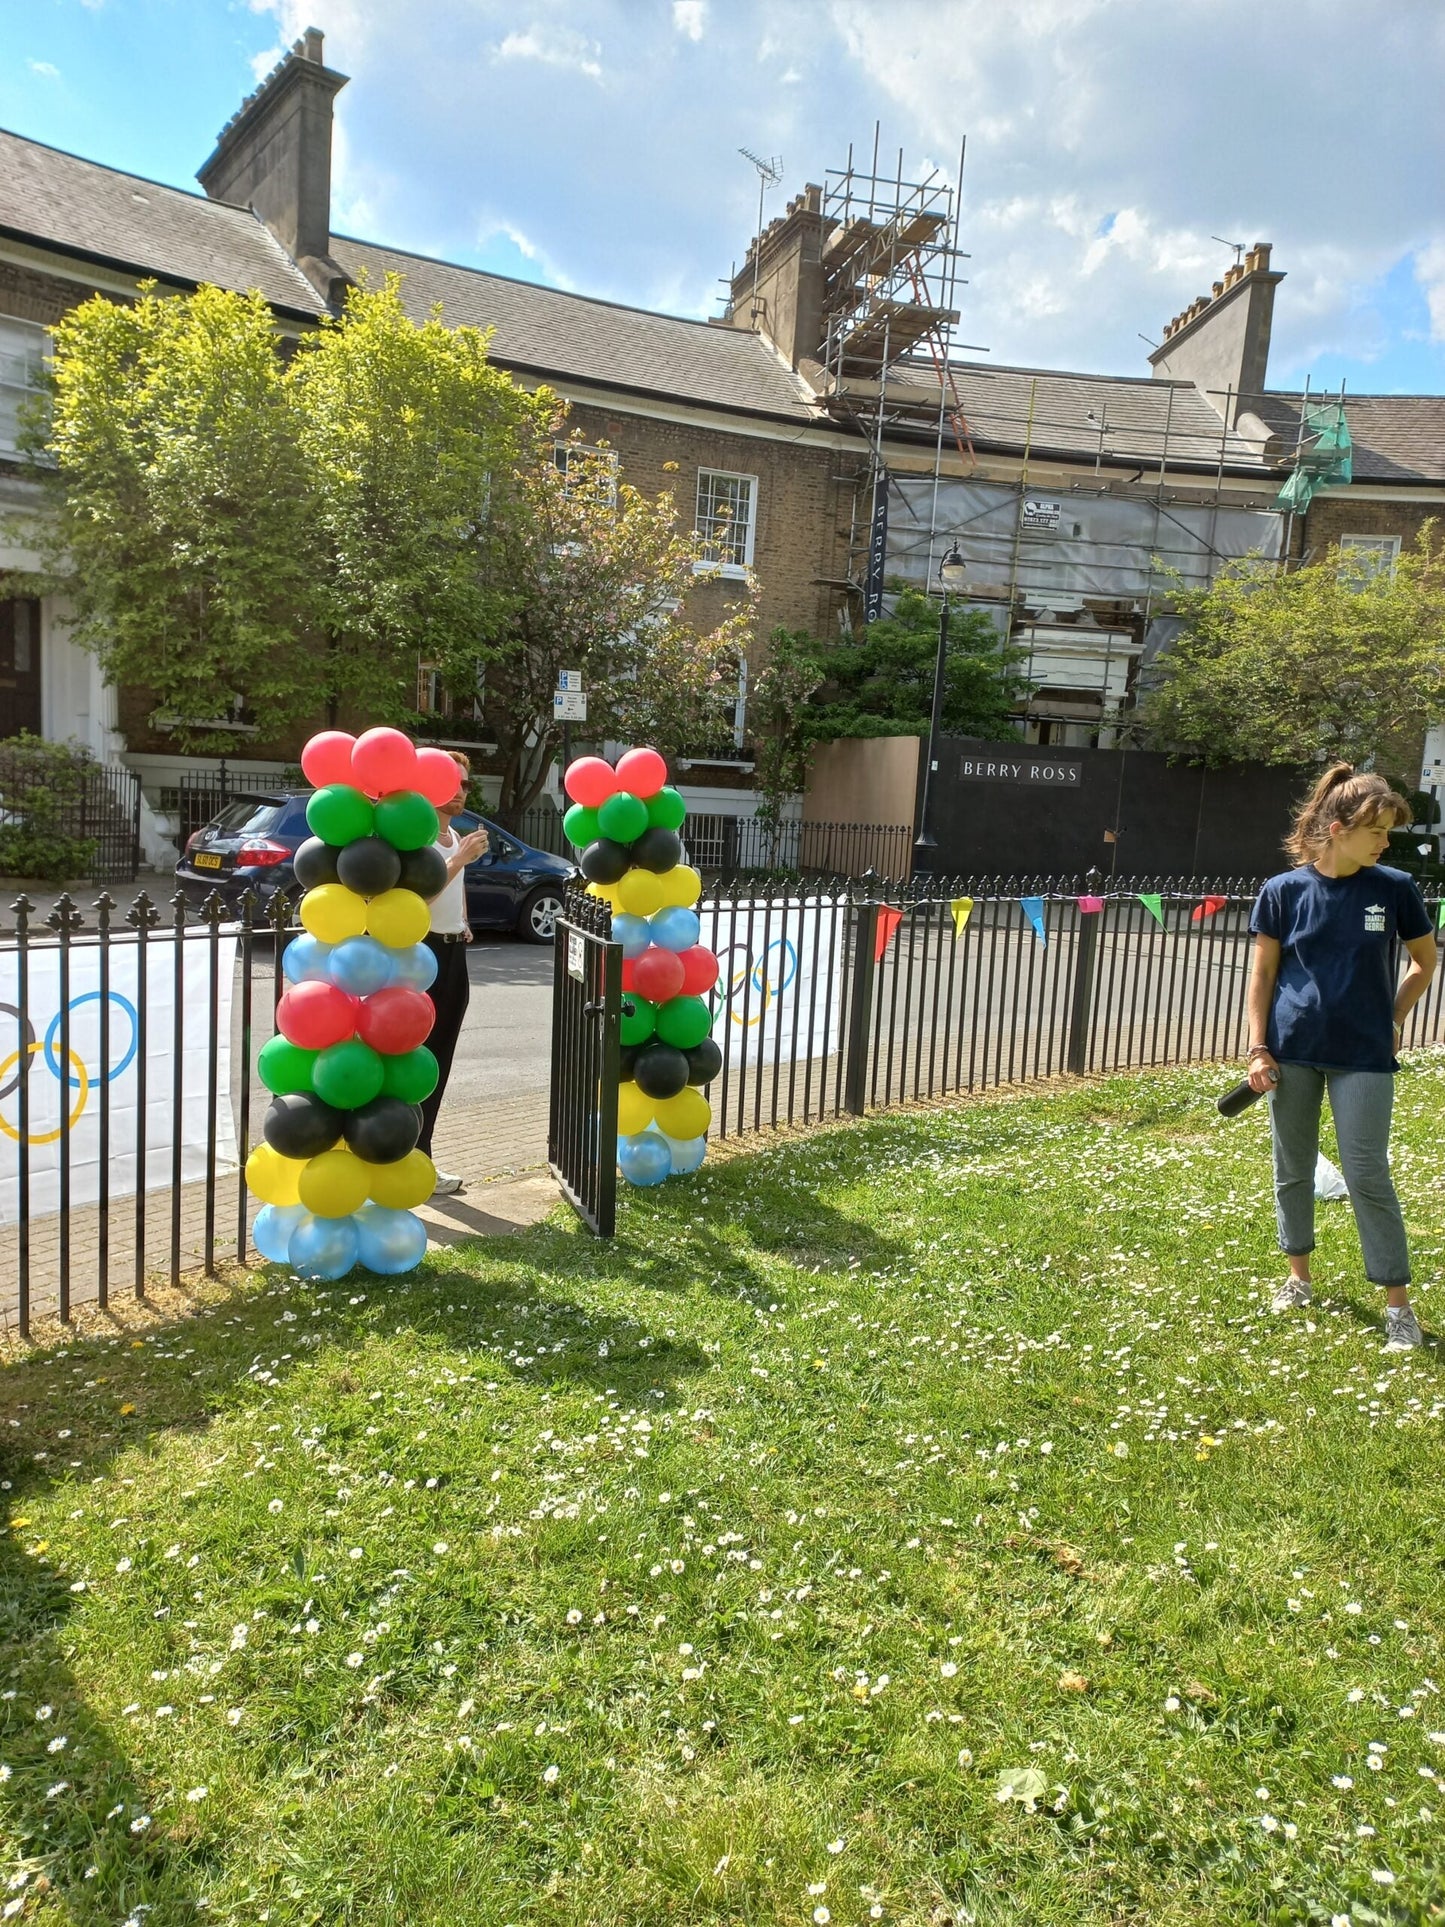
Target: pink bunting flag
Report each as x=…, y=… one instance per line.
x=1090, y=906
x=888, y=922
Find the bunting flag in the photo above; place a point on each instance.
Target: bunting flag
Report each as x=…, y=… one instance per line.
x=888, y=922
x=1090, y=906
x=1440, y=917
x=962, y=908
x=1154, y=904
x=1033, y=909
x=1110, y=836
x=1210, y=907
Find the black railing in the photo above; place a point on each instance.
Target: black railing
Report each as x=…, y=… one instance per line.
x=586, y=1046
x=87, y=814
x=201, y=794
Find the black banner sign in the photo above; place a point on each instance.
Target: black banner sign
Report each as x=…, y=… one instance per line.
x=1036, y=771
x=877, y=551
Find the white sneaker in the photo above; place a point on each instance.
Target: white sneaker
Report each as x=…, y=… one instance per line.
x=1402, y=1329
x=446, y=1184
x=1293, y=1293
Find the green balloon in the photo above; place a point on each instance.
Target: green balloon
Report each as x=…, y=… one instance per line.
x=622, y=817
x=411, y=1076
x=407, y=820
x=347, y=1075
x=338, y=814
x=637, y=1028
x=666, y=810
x=683, y=1022
x=579, y=826
x=284, y=1068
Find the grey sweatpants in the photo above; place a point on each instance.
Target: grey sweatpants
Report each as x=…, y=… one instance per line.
x=1361, y=1103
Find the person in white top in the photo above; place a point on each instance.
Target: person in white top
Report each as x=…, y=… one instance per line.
x=448, y=942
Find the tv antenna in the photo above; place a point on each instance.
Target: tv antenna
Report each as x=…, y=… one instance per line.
x=1238, y=246
x=770, y=172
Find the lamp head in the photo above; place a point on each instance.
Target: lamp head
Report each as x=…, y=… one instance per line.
x=953, y=572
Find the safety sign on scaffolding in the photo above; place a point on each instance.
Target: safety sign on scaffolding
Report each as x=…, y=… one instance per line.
x=1041, y=516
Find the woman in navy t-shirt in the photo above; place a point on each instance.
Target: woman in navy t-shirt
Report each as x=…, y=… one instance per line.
x=1325, y=1013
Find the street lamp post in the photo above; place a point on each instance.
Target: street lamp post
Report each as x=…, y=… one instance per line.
x=952, y=573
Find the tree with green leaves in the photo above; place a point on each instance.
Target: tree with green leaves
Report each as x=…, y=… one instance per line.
x=1330, y=659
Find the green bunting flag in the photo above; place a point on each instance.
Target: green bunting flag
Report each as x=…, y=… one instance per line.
x=1154, y=904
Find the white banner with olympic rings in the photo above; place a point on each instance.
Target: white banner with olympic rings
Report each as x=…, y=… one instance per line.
x=30, y=1048
x=780, y=975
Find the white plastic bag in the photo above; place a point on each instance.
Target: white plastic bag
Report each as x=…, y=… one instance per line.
x=1329, y=1180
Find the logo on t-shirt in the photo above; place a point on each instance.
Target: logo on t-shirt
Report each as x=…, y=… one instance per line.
x=1375, y=916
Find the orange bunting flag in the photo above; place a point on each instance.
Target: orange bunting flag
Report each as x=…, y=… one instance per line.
x=1210, y=907
x=888, y=922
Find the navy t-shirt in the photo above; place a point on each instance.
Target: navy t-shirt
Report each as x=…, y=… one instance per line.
x=1334, y=1001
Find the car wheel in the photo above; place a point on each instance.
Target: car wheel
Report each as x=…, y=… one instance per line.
x=537, y=920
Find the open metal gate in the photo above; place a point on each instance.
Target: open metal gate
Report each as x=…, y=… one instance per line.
x=586, y=1060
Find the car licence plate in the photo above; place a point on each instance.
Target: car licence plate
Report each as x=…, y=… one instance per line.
x=206, y=862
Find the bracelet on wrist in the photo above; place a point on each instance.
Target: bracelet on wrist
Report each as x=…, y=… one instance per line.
x=1259, y=1050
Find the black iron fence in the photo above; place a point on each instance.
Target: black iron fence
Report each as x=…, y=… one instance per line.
x=128, y=1101
x=202, y=793
x=727, y=846
x=67, y=813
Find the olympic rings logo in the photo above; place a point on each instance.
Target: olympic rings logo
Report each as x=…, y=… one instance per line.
x=75, y=1075
x=754, y=984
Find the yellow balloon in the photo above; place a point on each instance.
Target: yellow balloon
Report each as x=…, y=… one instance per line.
x=334, y=1184
x=403, y=1185
x=398, y=918
x=686, y=1115
x=681, y=885
x=639, y=893
x=273, y=1178
x=634, y=1108
x=332, y=913
x=604, y=892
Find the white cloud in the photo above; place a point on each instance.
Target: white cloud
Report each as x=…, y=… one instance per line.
x=689, y=17
x=44, y=69
x=262, y=63
x=554, y=276
x=554, y=47
x=1430, y=273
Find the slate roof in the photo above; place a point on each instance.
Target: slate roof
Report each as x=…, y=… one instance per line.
x=543, y=331
x=1397, y=438
x=123, y=221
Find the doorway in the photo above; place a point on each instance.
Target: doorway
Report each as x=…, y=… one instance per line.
x=19, y=666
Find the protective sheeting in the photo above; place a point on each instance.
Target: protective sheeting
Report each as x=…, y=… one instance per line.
x=1057, y=549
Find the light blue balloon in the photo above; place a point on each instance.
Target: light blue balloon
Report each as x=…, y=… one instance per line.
x=633, y=933
x=389, y=1242
x=644, y=1158
x=271, y=1233
x=414, y=969
x=322, y=1247
x=306, y=960
x=687, y=1153
x=676, y=928
x=361, y=965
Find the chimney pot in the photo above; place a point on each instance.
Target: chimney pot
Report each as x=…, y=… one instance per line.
x=1218, y=290
x=312, y=41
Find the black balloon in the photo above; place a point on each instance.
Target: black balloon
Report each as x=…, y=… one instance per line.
x=605, y=861
x=657, y=849
x=423, y=870
x=315, y=863
x=627, y=1061
x=660, y=1070
x=301, y=1126
x=383, y=1130
x=704, y=1061
x=368, y=866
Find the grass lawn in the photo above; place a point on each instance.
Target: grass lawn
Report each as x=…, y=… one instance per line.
x=926, y=1523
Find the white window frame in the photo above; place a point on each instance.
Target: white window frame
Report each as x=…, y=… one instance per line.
x=24, y=346
x=1386, y=548
x=603, y=478
x=704, y=525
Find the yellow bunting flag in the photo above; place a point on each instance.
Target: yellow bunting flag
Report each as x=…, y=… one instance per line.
x=962, y=908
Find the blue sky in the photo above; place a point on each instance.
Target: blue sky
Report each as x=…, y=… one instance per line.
x=592, y=144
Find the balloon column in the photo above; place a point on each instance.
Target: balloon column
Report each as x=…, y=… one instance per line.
x=625, y=823
x=339, y=1170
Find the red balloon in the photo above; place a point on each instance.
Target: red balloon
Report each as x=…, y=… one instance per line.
x=395, y=1020
x=642, y=771
x=589, y=781
x=629, y=973
x=383, y=760
x=699, y=971
x=327, y=757
x=315, y=1015
x=437, y=776
x=659, y=974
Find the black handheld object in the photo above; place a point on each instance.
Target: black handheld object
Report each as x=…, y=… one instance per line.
x=1237, y=1100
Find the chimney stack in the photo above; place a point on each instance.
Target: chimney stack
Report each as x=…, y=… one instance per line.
x=779, y=289
x=1220, y=342
x=274, y=156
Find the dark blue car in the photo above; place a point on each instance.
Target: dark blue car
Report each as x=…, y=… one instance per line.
x=250, y=846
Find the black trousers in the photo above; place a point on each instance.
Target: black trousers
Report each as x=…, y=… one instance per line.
x=449, y=993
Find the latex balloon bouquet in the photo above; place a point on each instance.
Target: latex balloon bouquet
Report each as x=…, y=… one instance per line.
x=339, y=1171
x=624, y=821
